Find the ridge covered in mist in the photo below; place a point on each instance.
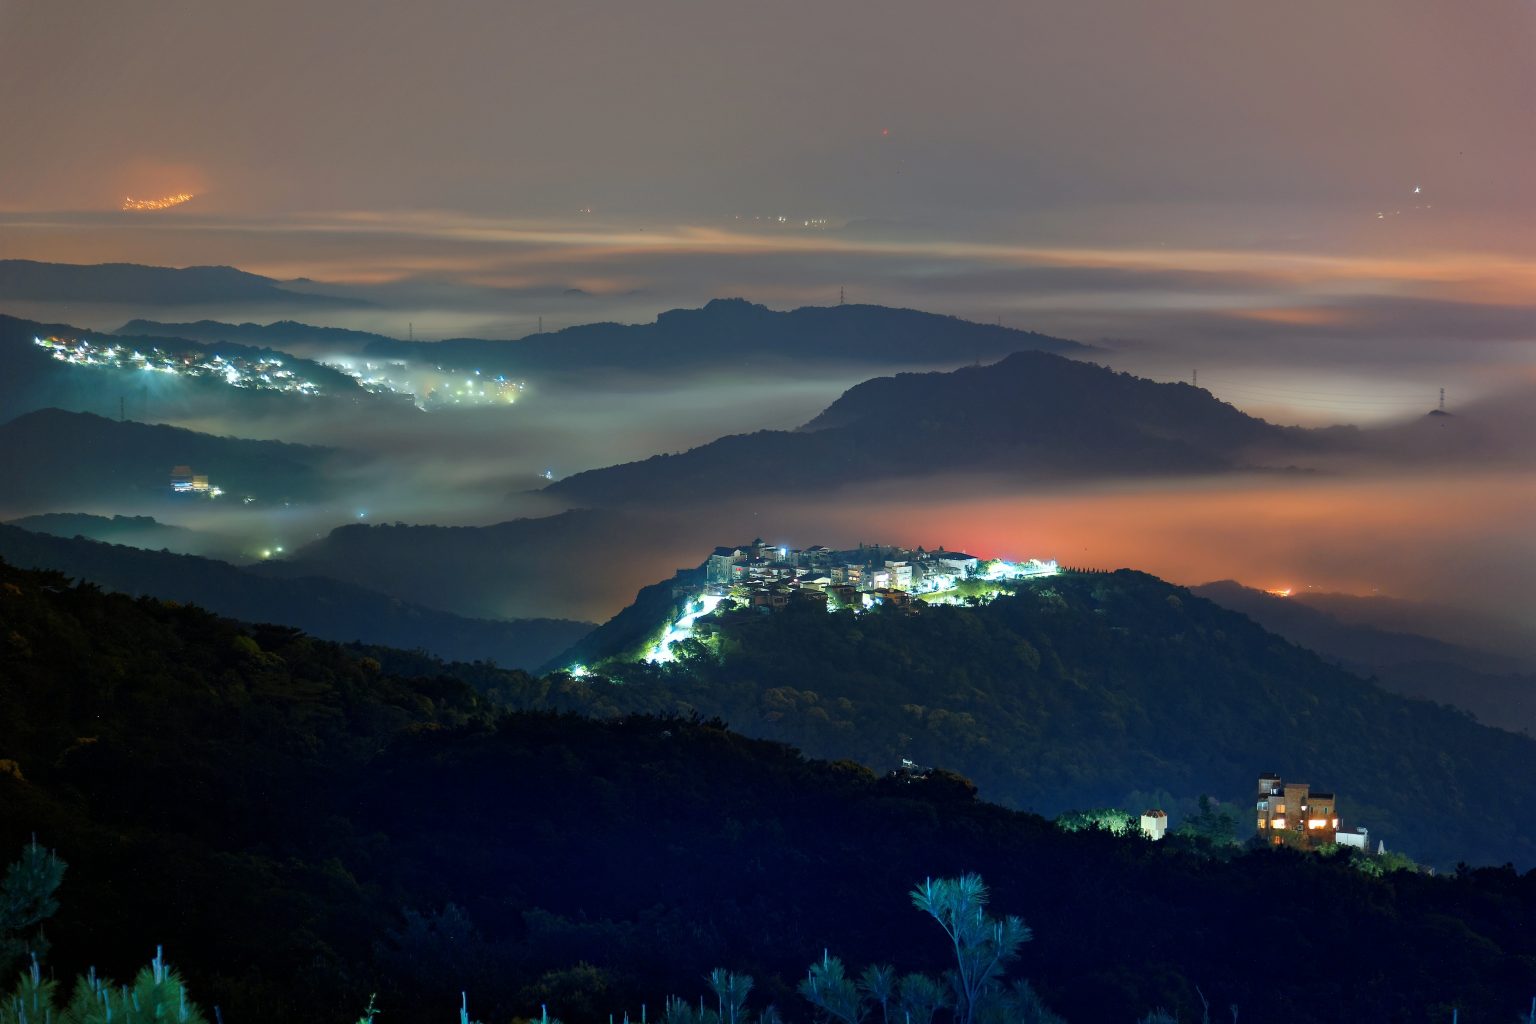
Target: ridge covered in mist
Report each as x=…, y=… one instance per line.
x=1033, y=415
x=57, y=459
x=1498, y=689
x=724, y=333
x=323, y=607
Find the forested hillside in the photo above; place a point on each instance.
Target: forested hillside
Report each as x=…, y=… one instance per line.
x=1102, y=689
x=301, y=827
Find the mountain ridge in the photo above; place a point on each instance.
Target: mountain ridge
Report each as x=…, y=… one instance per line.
x=723, y=332
x=109, y=459
x=142, y=284
x=1034, y=414
x=326, y=608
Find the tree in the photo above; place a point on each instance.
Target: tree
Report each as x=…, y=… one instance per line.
x=921, y=997
x=983, y=945
x=26, y=901
x=731, y=991
x=830, y=990
x=1211, y=824
x=878, y=982
x=157, y=995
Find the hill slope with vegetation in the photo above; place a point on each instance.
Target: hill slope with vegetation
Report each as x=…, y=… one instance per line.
x=1103, y=689
x=55, y=459
x=1499, y=690
x=324, y=607
x=300, y=826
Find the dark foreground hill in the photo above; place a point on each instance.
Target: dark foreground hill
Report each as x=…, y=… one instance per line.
x=1102, y=690
x=324, y=607
x=1032, y=416
x=1493, y=687
x=730, y=333
x=300, y=828
x=52, y=459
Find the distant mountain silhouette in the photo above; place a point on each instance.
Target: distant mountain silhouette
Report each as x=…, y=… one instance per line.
x=51, y=458
x=725, y=332
x=135, y=284
x=514, y=569
x=1033, y=414
x=327, y=608
x=136, y=531
x=275, y=334
x=1490, y=686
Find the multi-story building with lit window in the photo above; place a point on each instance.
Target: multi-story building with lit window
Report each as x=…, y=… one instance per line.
x=1293, y=814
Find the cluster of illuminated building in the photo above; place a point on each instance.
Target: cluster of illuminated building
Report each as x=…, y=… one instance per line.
x=260, y=374
x=767, y=578
x=442, y=388
x=448, y=388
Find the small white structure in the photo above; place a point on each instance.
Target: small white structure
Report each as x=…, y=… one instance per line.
x=1360, y=839
x=1154, y=824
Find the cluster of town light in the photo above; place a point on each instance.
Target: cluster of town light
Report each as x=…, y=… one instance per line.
x=261, y=374
x=705, y=604
x=393, y=378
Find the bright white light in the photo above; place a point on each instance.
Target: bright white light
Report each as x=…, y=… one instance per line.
x=682, y=629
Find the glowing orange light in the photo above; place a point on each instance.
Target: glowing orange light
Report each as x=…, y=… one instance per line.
x=1279, y=592
x=163, y=203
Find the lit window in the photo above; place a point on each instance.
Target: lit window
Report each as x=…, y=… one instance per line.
x=1277, y=823
x=1317, y=823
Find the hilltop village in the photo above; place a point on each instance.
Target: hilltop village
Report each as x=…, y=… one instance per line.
x=763, y=575
x=762, y=578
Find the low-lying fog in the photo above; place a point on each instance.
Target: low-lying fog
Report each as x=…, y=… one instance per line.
x=1449, y=530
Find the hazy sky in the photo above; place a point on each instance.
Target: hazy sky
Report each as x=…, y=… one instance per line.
x=994, y=111
x=1195, y=182
x=1326, y=206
